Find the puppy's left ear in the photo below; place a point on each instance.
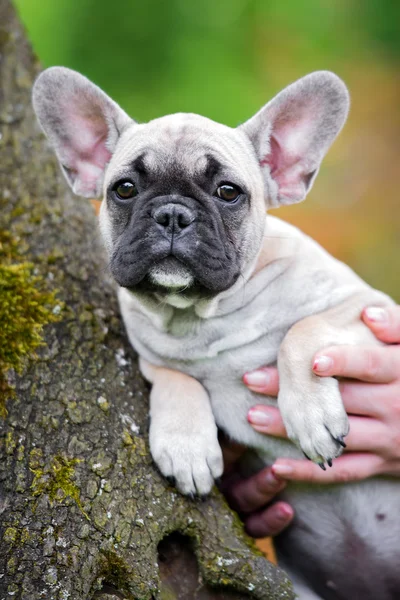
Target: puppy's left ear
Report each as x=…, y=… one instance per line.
x=82, y=124
x=292, y=133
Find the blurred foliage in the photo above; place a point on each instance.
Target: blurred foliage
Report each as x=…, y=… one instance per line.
x=225, y=58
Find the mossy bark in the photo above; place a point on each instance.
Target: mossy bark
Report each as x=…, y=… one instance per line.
x=82, y=508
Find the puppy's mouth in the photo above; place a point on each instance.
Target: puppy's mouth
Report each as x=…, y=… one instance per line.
x=175, y=248
x=170, y=274
x=170, y=281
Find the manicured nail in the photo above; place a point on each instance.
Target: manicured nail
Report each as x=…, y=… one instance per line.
x=284, y=512
x=376, y=314
x=322, y=364
x=282, y=470
x=256, y=416
x=257, y=378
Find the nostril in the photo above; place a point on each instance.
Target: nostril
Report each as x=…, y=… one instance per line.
x=162, y=217
x=173, y=217
x=183, y=221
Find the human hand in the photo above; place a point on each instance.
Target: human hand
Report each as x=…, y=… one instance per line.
x=371, y=395
x=253, y=497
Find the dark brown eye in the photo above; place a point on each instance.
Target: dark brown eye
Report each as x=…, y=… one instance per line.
x=228, y=192
x=125, y=189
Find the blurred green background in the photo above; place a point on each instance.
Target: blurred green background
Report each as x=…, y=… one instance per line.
x=225, y=58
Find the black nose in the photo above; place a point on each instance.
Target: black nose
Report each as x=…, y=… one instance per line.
x=173, y=218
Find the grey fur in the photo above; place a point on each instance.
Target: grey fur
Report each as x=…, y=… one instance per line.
x=268, y=294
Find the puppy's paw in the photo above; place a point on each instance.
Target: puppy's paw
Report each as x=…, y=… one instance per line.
x=193, y=460
x=317, y=424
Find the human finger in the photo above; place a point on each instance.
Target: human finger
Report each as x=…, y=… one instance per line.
x=367, y=435
x=270, y=521
x=377, y=364
x=263, y=381
x=348, y=467
x=248, y=495
x=266, y=419
x=384, y=322
x=367, y=399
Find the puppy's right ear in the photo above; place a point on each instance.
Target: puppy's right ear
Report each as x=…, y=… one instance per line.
x=82, y=124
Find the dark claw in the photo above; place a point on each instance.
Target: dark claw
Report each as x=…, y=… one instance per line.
x=170, y=479
x=323, y=467
x=306, y=455
x=340, y=440
x=329, y=461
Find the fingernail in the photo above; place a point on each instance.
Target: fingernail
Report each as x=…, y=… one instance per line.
x=284, y=512
x=376, y=314
x=257, y=378
x=282, y=470
x=272, y=480
x=322, y=364
x=258, y=417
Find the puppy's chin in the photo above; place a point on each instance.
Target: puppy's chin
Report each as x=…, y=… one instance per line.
x=170, y=274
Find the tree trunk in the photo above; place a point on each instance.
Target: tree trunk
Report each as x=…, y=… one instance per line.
x=84, y=513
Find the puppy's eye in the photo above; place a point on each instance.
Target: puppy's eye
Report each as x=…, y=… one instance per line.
x=125, y=189
x=228, y=192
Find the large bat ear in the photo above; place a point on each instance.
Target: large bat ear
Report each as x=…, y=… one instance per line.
x=82, y=124
x=292, y=133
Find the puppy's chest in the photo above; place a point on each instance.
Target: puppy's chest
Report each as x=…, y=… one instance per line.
x=201, y=347
x=217, y=351
x=245, y=333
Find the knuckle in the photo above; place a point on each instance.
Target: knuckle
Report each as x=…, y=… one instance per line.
x=237, y=499
x=395, y=412
x=310, y=472
x=341, y=359
x=371, y=364
x=344, y=475
x=392, y=356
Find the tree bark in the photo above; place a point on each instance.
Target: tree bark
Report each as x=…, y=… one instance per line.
x=84, y=513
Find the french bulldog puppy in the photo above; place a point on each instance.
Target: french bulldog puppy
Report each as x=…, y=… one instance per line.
x=211, y=287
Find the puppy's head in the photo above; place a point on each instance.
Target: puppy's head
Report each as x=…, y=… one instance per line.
x=184, y=197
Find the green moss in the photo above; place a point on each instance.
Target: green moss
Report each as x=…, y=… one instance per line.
x=166, y=593
x=10, y=535
x=57, y=481
x=116, y=571
x=127, y=438
x=25, y=307
x=35, y=458
x=10, y=443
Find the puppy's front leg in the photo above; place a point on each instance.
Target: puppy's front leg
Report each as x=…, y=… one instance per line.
x=183, y=433
x=311, y=406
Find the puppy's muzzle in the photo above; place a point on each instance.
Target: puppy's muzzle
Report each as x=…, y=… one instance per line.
x=173, y=219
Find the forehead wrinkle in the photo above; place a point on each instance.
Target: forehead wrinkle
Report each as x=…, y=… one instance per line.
x=187, y=139
x=200, y=164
